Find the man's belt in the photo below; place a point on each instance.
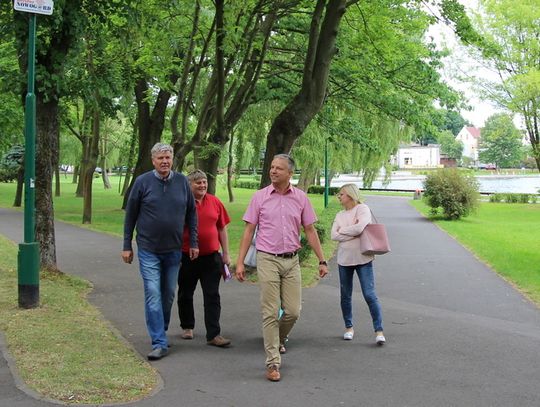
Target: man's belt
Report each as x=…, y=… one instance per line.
x=287, y=255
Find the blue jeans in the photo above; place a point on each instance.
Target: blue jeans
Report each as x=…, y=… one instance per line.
x=367, y=283
x=159, y=272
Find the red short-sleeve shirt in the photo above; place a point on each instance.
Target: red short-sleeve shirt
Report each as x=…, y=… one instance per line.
x=212, y=216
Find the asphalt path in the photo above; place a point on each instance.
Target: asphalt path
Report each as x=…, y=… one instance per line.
x=457, y=334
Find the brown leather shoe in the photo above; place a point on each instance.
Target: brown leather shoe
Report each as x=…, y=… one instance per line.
x=282, y=348
x=272, y=373
x=219, y=341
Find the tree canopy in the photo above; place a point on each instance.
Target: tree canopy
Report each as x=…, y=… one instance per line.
x=509, y=44
x=501, y=142
x=273, y=76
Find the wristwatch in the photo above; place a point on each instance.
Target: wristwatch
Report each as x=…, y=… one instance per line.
x=323, y=263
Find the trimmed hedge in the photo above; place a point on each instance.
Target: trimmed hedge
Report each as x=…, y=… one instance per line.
x=247, y=184
x=509, y=197
x=318, y=189
x=305, y=250
x=313, y=189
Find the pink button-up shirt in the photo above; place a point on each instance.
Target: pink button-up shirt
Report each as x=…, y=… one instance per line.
x=279, y=218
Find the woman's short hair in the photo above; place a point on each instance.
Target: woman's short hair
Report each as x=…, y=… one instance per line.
x=288, y=158
x=353, y=192
x=161, y=148
x=196, y=175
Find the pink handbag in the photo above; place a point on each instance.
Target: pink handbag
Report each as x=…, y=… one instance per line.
x=373, y=239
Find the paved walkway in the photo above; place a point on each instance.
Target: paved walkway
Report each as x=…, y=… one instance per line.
x=458, y=335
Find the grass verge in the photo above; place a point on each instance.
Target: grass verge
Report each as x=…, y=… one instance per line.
x=64, y=349
x=504, y=236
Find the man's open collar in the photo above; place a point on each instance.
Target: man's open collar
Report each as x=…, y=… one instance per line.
x=160, y=177
x=273, y=189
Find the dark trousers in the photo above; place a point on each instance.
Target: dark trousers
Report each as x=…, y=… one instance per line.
x=207, y=270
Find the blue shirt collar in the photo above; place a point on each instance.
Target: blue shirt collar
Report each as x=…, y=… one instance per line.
x=159, y=176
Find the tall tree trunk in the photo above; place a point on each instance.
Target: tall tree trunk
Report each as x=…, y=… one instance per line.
x=79, y=192
x=131, y=158
x=210, y=166
x=307, y=177
x=90, y=168
x=75, y=174
x=289, y=125
x=532, y=123
x=46, y=161
x=85, y=162
x=230, y=169
x=88, y=176
x=221, y=133
x=57, y=181
x=104, y=173
x=103, y=162
x=20, y=184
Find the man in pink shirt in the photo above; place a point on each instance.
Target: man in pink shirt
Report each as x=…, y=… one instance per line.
x=279, y=210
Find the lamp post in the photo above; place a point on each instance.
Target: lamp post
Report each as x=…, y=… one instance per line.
x=326, y=183
x=28, y=256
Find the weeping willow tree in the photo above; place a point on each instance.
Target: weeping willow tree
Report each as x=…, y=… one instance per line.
x=308, y=153
x=379, y=141
x=251, y=133
x=357, y=142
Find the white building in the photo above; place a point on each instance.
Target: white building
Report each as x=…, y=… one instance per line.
x=469, y=137
x=417, y=156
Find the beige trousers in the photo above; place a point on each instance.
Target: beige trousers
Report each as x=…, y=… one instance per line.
x=281, y=285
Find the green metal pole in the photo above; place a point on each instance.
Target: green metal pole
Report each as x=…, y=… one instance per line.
x=28, y=258
x=326, y=187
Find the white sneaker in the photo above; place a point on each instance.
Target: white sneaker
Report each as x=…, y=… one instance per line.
x=380, y=340
x=348, y=335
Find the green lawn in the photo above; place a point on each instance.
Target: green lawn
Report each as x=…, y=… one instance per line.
x=505, y=236
x=64, y=349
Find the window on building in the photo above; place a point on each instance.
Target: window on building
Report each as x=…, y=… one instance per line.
x=408, y=160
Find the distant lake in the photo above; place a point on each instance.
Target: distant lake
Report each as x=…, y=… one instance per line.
x=488, y=183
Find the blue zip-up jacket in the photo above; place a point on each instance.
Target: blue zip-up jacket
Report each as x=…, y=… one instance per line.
x=159, y=209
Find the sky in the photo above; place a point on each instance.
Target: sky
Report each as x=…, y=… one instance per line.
x=460, y=63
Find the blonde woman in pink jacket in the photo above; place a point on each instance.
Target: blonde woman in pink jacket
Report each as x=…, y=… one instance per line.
x=346, y=229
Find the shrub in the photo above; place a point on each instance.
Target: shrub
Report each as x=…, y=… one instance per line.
x=456, y=193
x=306, y=249
x=496, y=197
x=10, y=163
x=319, y=189
x=247, y=184
x=511, y=198
x=7, y=175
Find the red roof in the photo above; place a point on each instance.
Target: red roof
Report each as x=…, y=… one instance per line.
x=474, y=131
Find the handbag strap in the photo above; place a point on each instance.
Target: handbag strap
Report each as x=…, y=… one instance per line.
x=373, y=216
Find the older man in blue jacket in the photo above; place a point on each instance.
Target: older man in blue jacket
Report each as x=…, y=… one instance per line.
x=159, y=205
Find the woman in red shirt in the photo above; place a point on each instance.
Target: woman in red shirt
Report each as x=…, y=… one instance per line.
x=212, y=233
